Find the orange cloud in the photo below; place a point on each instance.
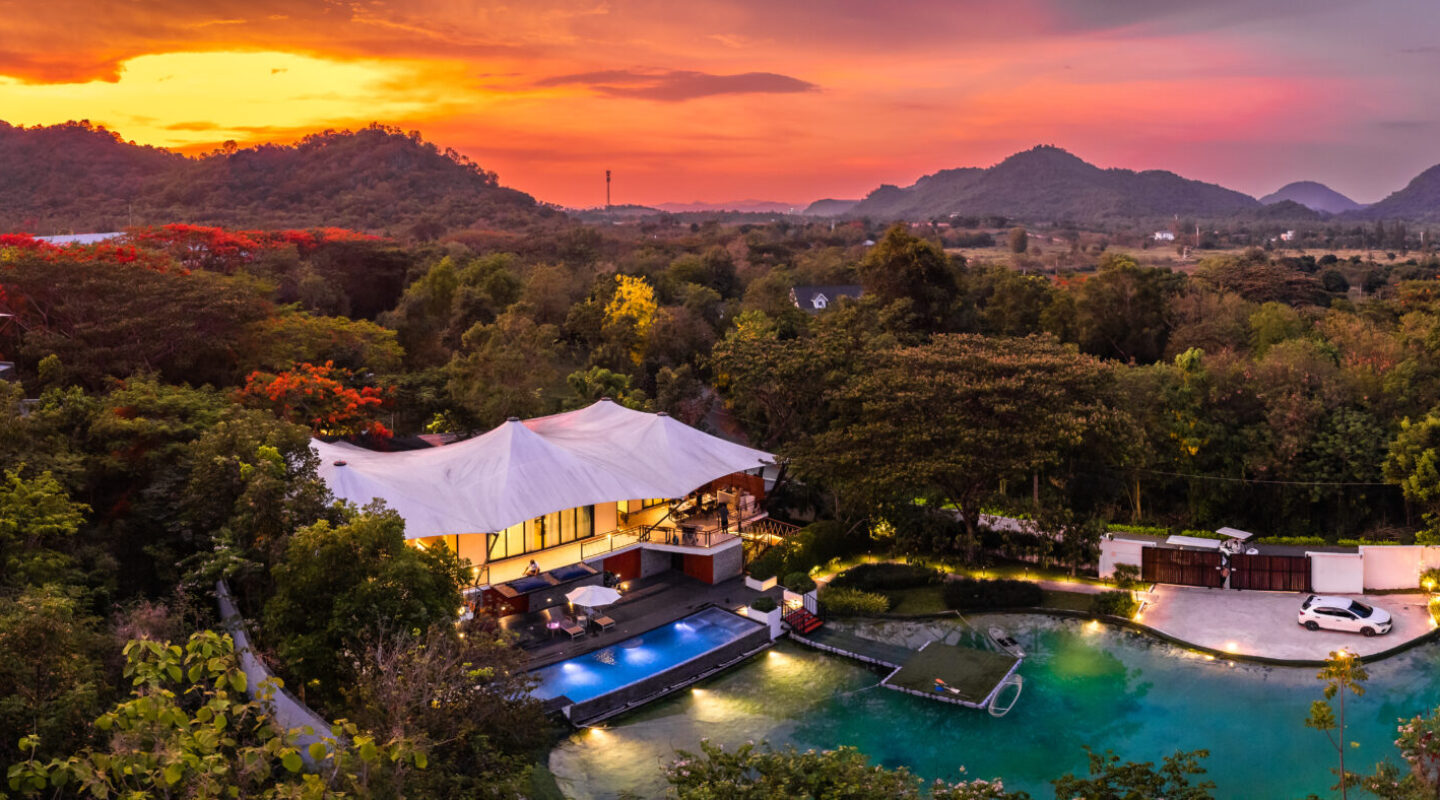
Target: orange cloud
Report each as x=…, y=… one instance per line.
x=742, y=98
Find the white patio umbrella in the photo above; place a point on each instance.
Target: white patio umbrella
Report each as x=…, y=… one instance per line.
x=592, y=596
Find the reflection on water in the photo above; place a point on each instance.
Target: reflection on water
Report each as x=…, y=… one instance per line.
x=1107, y=688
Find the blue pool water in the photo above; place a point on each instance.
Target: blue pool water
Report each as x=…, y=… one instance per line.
x=593, y=674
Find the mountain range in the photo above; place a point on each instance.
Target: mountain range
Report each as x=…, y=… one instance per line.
x=77, y=177
x=1048, y=183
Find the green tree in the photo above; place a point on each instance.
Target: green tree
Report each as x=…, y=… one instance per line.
x=509, y=368
x=781, y=388
x=1019, y=240
x=904, y=267
x=950, y=419
x=462, y=699
x=339, y=584
x=187, y=730
x=1414, y=464
x=37, y=517
x=1343, y=674
x=1111, y=780
x=761, y=773
x=52, y=670
x=588, y=386
x=1123, y=310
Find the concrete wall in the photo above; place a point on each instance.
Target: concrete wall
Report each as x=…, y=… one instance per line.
x=1398, y=567
x=1118, y=551
x=289, y=712
x=653, y=562
x=1337, y=573
x=729, y=563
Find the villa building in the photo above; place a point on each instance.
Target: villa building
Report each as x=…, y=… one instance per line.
x=601, y=489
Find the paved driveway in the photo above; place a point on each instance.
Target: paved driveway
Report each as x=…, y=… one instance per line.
x=1264, y=623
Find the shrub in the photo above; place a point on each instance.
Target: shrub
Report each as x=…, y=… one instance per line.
x=764, y=604
x=768, y=565
x=968, y=594
x=886, y=575
x=1127, y=576
x=843, y=601
x=1115, y=604
x=798, y=582
x=1432, y=578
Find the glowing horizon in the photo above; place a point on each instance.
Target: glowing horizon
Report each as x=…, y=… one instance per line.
x=739, y=100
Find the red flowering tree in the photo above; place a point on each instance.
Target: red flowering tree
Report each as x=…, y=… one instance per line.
x=324, y=397
x=221, y=250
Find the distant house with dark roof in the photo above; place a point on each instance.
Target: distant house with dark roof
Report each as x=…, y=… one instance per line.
x=814, y=299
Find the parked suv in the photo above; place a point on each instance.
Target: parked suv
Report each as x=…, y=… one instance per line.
x=1343, y=614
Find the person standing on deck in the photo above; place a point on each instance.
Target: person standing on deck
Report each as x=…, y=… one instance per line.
x=724, y=517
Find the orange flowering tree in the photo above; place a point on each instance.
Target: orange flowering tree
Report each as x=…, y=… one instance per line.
x=324, y=397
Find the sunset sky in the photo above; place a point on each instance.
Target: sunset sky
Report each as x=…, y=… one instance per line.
x=788, y=100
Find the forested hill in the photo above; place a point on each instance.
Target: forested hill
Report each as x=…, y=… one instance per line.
x=1418, y=201
x=1047, y=184
x=76, y=178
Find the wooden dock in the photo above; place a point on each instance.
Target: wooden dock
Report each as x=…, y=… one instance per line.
x=855, y=647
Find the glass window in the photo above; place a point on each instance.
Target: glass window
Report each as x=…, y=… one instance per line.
x=551, y=530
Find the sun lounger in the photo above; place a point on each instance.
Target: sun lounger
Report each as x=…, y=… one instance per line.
x=574, y=630
x=604, y=623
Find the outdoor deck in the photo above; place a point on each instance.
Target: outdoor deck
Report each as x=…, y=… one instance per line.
x=649, y=604
x=974, y=674
x=858, y=648
x=701, y=532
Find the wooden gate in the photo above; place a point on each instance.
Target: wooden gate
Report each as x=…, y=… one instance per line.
x=1184, y=567
x=1270, y=573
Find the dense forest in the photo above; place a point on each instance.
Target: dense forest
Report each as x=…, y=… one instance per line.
x=169, y=382
x=80, y=178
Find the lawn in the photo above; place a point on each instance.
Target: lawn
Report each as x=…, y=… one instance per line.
x=1067, y=601
x=918, y=600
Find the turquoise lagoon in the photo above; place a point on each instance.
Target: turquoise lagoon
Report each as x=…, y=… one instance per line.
x=1084, y=684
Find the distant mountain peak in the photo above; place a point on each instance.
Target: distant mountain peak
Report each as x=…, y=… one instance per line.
x=1314, y=196
x=1049, y=183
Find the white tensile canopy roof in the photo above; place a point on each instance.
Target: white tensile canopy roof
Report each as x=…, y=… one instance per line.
x=522, y=470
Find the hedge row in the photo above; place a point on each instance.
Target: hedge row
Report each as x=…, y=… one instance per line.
x=842, y=601
x=886, y=576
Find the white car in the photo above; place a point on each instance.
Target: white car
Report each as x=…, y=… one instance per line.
x=1343, y=614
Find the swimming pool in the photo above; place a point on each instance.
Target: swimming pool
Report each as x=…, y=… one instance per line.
x=585, y=677
x=1100, y=686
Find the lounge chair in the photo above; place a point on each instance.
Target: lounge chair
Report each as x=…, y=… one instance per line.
x=570, y=627
x=603, y=623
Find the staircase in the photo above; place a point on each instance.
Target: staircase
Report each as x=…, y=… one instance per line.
x=802, y=621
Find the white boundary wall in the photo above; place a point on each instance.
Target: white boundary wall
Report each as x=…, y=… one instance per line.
x=1338, y=573
x=1398, y=567
x=1119, y=551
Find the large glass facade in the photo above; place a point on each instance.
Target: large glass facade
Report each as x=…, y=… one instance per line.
x=551, y=530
